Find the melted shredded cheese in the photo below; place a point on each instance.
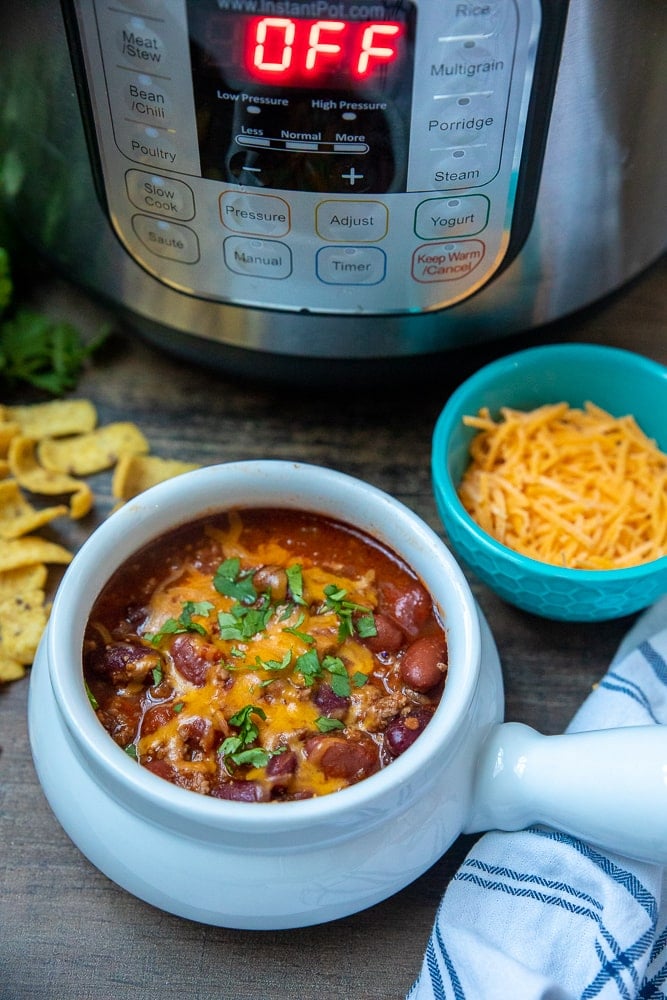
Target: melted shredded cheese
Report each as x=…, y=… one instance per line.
x=571, y=487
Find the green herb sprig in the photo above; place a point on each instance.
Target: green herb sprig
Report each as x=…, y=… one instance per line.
x=363, y=625
x=238, y=749
x=184, y=622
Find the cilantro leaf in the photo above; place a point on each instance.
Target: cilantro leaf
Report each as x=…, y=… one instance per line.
x=308, y=665
x=328, y=725
x=46, y=354
x=335, y=601
x=91, y=698
x=238, y=749
x=275, y=664
x=295, y=581
x=231, y=582
x=294, y=630
x=338, y=675
x=184, y=622
x=242, y=622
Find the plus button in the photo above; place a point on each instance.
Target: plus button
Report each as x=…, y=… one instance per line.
x=352, y=176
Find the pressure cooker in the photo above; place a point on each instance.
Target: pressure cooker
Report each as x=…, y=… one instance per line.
x=267, y=184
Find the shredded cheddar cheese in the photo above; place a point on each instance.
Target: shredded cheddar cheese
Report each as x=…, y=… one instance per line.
x=572, y=487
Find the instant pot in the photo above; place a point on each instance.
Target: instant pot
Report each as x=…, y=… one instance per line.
x=273, y=184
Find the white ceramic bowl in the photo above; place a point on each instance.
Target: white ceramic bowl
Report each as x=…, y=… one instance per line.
x=278, y=865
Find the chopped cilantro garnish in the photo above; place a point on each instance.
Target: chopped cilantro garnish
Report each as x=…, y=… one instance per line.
x=294, y=630
x=275, y=664
x=184, y=622
x=131, y=751
x=91, y=698
x=238, y=749
x=338, y=675
x=295, y=582
x=242, y=622
x=308, y=665
x=230, y=581
x=335, y=601
x=328, y=725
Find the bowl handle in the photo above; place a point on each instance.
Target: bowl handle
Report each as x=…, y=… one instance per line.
x=607, y=787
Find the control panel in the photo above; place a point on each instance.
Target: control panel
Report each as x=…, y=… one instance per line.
x=322, y=155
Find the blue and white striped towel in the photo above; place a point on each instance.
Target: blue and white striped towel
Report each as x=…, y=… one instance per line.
x=538, y=915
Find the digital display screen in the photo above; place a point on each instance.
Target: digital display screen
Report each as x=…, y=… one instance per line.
x=336, y=53
x=306, y=52
x=304, y=95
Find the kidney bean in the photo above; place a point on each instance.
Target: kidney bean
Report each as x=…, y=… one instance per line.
x=120, y=717
x=240, y=791
x=282, y=764
x=155, y=717
x=162, y=768
x=122, y=661
x=409, y=608
x=198, y=733
x=338, y=757
x=193, y=656
x=330, y=703
x=279, y=772
x=404, y=730
x=389, y=637
x=191, y=780
x=272, y=578
x=424, y=663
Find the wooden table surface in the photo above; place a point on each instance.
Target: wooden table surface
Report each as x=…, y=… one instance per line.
x=67, y=932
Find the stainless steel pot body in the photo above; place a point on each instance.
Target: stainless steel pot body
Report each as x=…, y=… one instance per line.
x=595, y=194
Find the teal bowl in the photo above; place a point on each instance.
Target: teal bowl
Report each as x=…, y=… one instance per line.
x=620, y=382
